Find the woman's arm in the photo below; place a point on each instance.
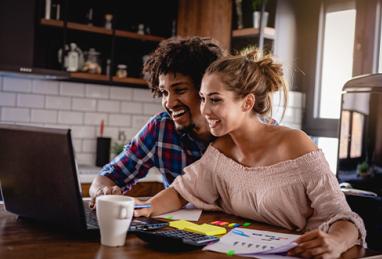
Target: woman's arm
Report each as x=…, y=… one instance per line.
x=165, y=201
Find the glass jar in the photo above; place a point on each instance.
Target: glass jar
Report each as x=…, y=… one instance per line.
x=92, y=64
x=121, y=71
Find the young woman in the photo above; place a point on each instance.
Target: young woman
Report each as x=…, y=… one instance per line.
x=264, y=172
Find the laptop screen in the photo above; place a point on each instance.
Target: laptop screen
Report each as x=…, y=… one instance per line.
x=38, y=176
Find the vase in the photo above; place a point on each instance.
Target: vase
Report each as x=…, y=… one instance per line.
x=256, y=19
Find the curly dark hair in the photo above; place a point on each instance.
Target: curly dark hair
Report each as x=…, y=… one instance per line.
x=189, y=56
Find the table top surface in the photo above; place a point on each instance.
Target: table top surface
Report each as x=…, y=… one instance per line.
x=20, y=239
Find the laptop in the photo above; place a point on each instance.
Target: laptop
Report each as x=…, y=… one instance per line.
x=39, y=180
x=38, y=177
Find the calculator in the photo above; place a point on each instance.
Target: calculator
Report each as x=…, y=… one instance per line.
x=175, y=239
x=143, y=223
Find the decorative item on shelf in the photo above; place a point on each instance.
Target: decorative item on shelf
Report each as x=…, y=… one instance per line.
x=62, y=56
x=108, y=19
x=92, y=64
x=118, y=146
x=48, y=5
x=121, y=71
x=108, y=67
x=56, y=11
x=103, y=147
x=256, y=6
x=74, y=58
x=239, y=13
x=89, y=16
x=141, y=28
x=147, y=30
x=173, y=28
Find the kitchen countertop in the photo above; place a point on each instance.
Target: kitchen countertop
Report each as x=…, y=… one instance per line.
x=86, y=174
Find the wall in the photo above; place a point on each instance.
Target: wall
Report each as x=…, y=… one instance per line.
x=81, y=107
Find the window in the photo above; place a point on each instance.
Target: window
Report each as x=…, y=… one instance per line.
x=337, y=60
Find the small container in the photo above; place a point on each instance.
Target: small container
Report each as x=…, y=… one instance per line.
x=121, y=71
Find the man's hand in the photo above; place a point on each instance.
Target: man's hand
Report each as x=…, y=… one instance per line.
x=145, y=212
x=105, y=190
x=317, y=244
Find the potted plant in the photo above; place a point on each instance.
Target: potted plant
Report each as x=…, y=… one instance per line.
x=256, y=8
x=363, y=170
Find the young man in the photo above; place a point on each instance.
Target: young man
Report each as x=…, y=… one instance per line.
x=173, y=139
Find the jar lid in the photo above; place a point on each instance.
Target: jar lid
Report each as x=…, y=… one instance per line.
x=122, y=66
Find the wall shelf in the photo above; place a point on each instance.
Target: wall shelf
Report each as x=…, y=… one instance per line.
x=88, y=76
x=136, y=36
x=269, y=33
x=54, y=23
x=129, y=80
x=89, y=28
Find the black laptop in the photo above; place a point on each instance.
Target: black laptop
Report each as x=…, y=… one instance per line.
x=38, y=179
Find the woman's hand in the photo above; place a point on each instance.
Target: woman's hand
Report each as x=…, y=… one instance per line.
x=318, y=244
x=145, y=212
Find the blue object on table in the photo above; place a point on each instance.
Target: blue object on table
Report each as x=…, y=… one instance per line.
x=240, y=233
x=142, y=206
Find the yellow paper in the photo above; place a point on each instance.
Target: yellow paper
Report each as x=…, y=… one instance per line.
x=182, y=224
x=206, y=229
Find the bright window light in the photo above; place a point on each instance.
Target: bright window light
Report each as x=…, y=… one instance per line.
x=337, y=60
x=329, y=148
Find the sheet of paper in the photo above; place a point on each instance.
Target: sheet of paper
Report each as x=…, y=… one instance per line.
x=185, y=214
x=251, y=242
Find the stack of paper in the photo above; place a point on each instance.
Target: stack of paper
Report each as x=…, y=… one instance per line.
x=249, y=242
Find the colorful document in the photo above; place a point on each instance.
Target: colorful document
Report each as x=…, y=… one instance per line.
x=251, y=243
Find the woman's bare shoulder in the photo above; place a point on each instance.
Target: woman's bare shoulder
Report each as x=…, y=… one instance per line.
x=295, y=143
x=222, y=143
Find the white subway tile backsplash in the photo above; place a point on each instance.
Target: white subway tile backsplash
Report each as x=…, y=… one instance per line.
x=56, y=102
x=132, y=107
x=120, y=93
x=15, y=114
x=82, y=104
x=7, y=99
x=142, y=95
x=108, y=106
x=72, y=89
x=85, y=158
x=45, y=87
x=30, y=100
x=70, y=117
x=139, y=121
x=119, y=120
x=77, y=144
x=13, y=84
x=151, y=109
x=89, y=145
x=96, y=91
x=92, y=118
x=84, y=132
x=111, y=132
x=43, y=116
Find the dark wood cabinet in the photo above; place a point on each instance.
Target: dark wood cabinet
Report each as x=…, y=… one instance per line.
x=30, y=40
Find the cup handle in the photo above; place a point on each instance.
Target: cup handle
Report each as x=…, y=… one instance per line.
x=122, y=213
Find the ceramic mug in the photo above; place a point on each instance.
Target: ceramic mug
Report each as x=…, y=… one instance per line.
x=114, y=214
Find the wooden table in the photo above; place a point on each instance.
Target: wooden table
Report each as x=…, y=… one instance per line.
x=19, y=239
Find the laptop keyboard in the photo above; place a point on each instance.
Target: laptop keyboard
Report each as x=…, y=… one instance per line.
x=91, y=216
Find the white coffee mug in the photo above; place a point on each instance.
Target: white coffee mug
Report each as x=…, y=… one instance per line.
x=114, y=214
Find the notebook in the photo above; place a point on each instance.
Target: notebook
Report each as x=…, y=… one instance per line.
x=38, y=177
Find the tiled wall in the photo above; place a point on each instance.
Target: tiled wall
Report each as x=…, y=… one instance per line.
x=82, y=107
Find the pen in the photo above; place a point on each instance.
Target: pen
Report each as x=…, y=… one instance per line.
x=142, y=206
x=240, y=233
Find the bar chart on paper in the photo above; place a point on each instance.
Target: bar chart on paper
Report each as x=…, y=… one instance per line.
x=247, y=242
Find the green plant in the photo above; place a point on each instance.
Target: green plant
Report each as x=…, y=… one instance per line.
x=363, y=167
x=256, y=5
x=117, y=148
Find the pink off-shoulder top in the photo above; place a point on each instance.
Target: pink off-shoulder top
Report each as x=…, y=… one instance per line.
x=300, y=194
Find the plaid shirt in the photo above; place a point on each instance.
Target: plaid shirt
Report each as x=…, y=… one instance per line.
x=158, y=145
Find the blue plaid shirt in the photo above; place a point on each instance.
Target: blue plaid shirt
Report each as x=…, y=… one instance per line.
x=158, y=145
